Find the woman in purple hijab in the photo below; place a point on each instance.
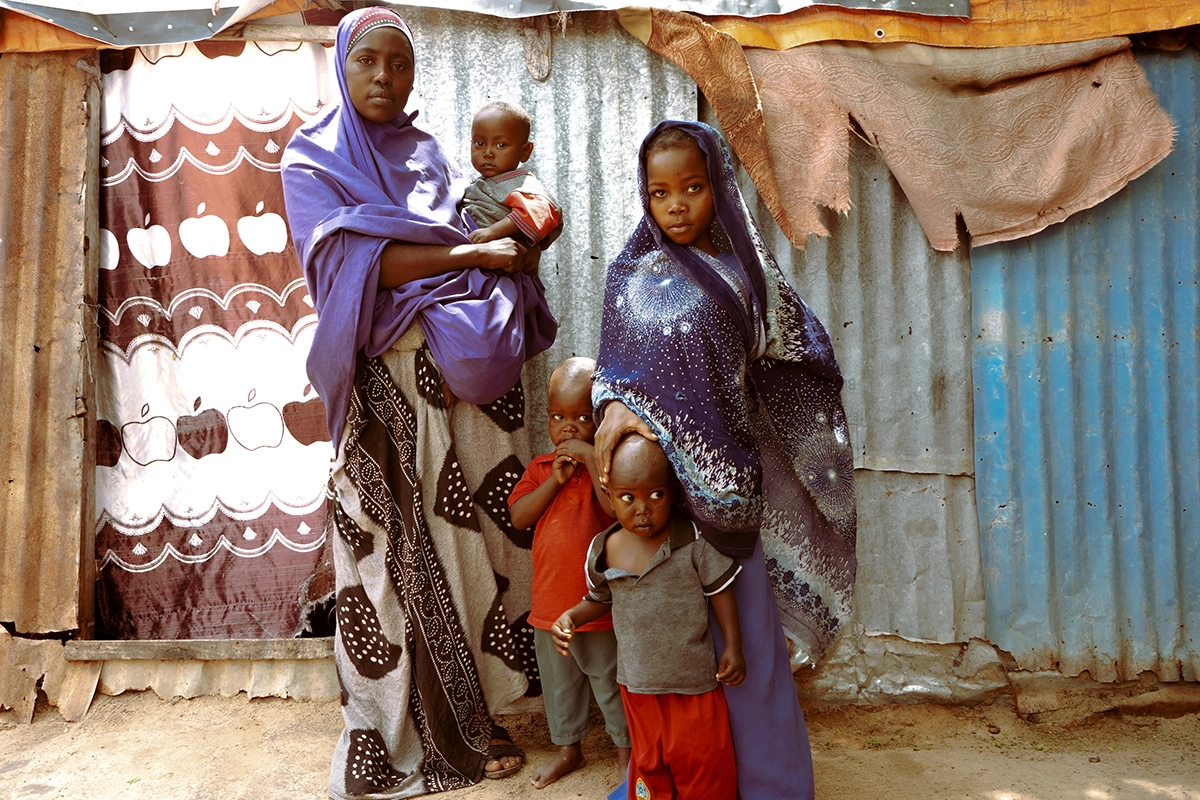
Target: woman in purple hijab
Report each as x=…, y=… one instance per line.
x=420, y=340
x=706, y=348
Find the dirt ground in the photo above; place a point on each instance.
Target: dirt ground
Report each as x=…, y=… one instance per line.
x=139, y=746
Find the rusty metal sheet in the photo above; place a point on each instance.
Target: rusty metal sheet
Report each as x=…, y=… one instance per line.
x=49, y=120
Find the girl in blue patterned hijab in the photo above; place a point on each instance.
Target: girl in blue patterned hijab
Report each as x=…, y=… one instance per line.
x=706, y=347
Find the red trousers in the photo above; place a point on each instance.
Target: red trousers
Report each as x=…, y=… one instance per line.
x=682, y=747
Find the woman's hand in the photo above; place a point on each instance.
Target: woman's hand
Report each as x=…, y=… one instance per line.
x=618, y=421
x=501, y=255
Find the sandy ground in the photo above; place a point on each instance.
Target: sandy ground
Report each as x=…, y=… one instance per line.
x=139, y=746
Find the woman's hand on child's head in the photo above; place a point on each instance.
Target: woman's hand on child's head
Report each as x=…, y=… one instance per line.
x=501, y=255
x=563, y=630
x=564, y=468
x=732, y=668
x=618, y=421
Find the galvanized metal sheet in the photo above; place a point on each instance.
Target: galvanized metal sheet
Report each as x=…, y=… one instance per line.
x=126, y=23
x=1087, y=369
x=46, y=292
x=875, y=668
x=586, y=134
x=133, y=22
x=919, y=571
x=899, y=313
x=308, y=679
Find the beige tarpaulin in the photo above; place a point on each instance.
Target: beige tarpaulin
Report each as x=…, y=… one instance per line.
x=1013, y=139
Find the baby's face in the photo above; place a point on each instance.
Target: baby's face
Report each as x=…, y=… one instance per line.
x=498, y=143
x=570, y=412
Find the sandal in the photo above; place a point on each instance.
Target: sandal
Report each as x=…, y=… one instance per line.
x=499, y=750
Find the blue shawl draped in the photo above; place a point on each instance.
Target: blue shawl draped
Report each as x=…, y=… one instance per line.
x=352, y=186
x=737, y=377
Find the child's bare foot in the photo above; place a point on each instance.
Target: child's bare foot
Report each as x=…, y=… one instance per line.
x=623, y=761
x=569, y=759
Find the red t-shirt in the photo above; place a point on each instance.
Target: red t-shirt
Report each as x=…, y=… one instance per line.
x=560, y=543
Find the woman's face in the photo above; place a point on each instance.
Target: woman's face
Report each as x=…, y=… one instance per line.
x=379, y=74
x=681, y=200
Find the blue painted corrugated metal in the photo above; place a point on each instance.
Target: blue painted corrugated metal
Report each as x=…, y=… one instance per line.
x=1086, y=365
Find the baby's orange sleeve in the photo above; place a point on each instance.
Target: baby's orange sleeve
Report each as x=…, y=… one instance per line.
x=534, y=214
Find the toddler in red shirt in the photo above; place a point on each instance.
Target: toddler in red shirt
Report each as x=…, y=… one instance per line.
x=561, y=495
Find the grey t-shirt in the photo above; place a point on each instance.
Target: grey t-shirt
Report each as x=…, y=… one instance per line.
x=661, y=616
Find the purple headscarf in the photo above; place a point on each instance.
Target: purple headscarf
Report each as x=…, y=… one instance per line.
x=352, y=186
x=737, y=377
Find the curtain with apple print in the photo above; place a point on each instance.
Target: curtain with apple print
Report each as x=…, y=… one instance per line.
x=213, y=453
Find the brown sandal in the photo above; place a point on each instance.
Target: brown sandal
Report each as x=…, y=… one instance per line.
x=499, y=750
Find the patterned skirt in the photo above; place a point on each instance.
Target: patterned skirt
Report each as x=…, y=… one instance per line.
x=432, y=581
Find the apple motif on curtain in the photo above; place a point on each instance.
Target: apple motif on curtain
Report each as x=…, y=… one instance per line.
x=263, y=233
x=256, y=425
x=151, y=245
x=149, y=440
x=110, y=249
x=202, y=434
x=305, y=419
x=204, y=235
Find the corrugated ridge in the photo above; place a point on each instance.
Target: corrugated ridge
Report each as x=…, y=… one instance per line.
x=899, y=313
x=604, y=93
x=1087, y=363
x=43, y=160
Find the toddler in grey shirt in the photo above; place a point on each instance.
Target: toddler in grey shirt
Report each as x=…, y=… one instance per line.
x=658, y=575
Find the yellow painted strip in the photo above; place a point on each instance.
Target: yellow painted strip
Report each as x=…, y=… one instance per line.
x=993, y=23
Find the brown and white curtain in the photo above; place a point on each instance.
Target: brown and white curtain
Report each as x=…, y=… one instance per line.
x=213, y=454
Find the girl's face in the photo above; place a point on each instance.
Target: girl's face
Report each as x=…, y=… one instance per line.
x=379, y=74
x=681, y=200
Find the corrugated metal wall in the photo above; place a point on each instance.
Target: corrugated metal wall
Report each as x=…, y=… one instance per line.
x=604, y=93
x=1087, y=369
x=899, y=313
x=49, y=117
